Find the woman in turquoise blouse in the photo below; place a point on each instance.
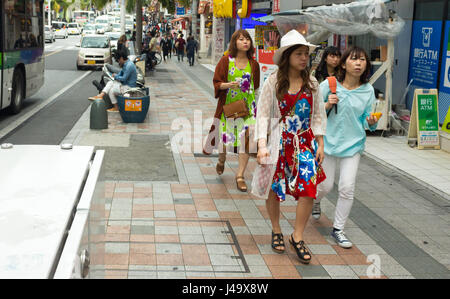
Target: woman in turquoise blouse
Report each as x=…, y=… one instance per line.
x=345, y=138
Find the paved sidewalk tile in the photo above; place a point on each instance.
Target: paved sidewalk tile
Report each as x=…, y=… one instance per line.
x=203, y=227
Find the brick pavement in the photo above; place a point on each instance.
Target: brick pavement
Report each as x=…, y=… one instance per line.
x=202, y=226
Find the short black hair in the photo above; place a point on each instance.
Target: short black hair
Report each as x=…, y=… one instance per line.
x=122, y=53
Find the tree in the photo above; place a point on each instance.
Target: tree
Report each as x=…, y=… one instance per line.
x=84, y=4
x=64, y=4
x=131, y=6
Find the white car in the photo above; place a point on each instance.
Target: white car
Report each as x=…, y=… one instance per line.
x=113, y=37
x=95, y=51
x=89, y=29
x=74, y=28
x=100, y=28
x=49, y=34
x=129, y=25
x=60, y=29
x=116, y=27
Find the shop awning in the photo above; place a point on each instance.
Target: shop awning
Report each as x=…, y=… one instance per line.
x=179, y=19
x=355, y=18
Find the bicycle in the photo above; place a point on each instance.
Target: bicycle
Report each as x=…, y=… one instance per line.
x=157, y=58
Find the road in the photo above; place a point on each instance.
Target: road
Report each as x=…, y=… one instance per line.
x=50, y=114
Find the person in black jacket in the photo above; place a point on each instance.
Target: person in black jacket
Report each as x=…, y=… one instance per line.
x=166, y=46
x=191, y=49
x=122, y=46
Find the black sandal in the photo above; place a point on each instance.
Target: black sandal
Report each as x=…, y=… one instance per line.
x=279, y=240
x=301, y=250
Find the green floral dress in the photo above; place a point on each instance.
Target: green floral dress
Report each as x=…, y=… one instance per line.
x=232, y=130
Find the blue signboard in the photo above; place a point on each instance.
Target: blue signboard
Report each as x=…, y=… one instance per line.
x=249, y=23
x=444, y=86
x=424, y=56
x=181, y=11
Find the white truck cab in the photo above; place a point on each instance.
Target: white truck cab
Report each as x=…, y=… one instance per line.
x=52, y=210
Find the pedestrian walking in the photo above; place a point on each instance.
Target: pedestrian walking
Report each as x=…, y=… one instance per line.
x=191, y=49
x=170, y=41
x=328, y=65
x=236, y=78
x=179, y=44
x=122, y=45
x=290, y=125
x=346, y=136
x=165, y=46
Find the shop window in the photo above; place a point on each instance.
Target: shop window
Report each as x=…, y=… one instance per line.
x=429, y=10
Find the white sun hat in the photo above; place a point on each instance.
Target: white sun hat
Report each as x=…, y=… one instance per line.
x=292, y=38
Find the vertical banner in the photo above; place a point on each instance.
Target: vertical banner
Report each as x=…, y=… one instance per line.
x=424, y=56
x=444, y=86
x=267, y=40
x=218, y=38
x=275, y=6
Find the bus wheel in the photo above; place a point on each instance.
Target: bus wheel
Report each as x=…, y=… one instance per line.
x=17, y=94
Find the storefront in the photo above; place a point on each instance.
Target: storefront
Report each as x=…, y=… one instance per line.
x=429, y=64
x=205, y=10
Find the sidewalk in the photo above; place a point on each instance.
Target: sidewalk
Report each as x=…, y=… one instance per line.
x=182, y=220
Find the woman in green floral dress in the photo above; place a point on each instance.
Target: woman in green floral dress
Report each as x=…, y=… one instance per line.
x=236, y=77
x=233, y=133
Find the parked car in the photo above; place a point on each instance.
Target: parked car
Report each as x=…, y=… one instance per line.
x=74, y=28
x=95, y=51
x=89, y=29
x=60, y=29
x=49, y=34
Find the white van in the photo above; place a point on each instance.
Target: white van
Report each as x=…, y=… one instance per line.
x=74, y=28
x=60, y=29
x=104, y=20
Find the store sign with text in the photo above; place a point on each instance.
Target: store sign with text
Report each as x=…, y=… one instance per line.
x=444, y=86
x=424, y=57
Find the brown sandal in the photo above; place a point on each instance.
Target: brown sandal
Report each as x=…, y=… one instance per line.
x=220, y=167
x=241, y=185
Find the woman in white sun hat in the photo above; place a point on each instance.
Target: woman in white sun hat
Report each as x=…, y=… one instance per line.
x=290, y=125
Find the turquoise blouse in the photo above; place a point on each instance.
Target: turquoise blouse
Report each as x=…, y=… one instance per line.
x=346, y=134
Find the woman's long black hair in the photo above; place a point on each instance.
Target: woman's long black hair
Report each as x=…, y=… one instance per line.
x=321, y=70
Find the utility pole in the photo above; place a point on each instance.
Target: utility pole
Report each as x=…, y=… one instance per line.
x=122, y=17
x=49, y=15
x=138, y=41
x=194, y=9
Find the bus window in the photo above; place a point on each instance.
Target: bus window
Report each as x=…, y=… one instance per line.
x=23, y=30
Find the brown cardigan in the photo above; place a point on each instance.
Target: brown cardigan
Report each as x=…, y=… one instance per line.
x=221, y=76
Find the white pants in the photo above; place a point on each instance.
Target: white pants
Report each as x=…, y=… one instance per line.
x=347, y=178
x=113, y=89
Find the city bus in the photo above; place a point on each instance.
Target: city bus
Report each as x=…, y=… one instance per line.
x=21, y=51
x=82, y=17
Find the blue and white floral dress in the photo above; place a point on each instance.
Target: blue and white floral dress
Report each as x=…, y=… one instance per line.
x=297, y=172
